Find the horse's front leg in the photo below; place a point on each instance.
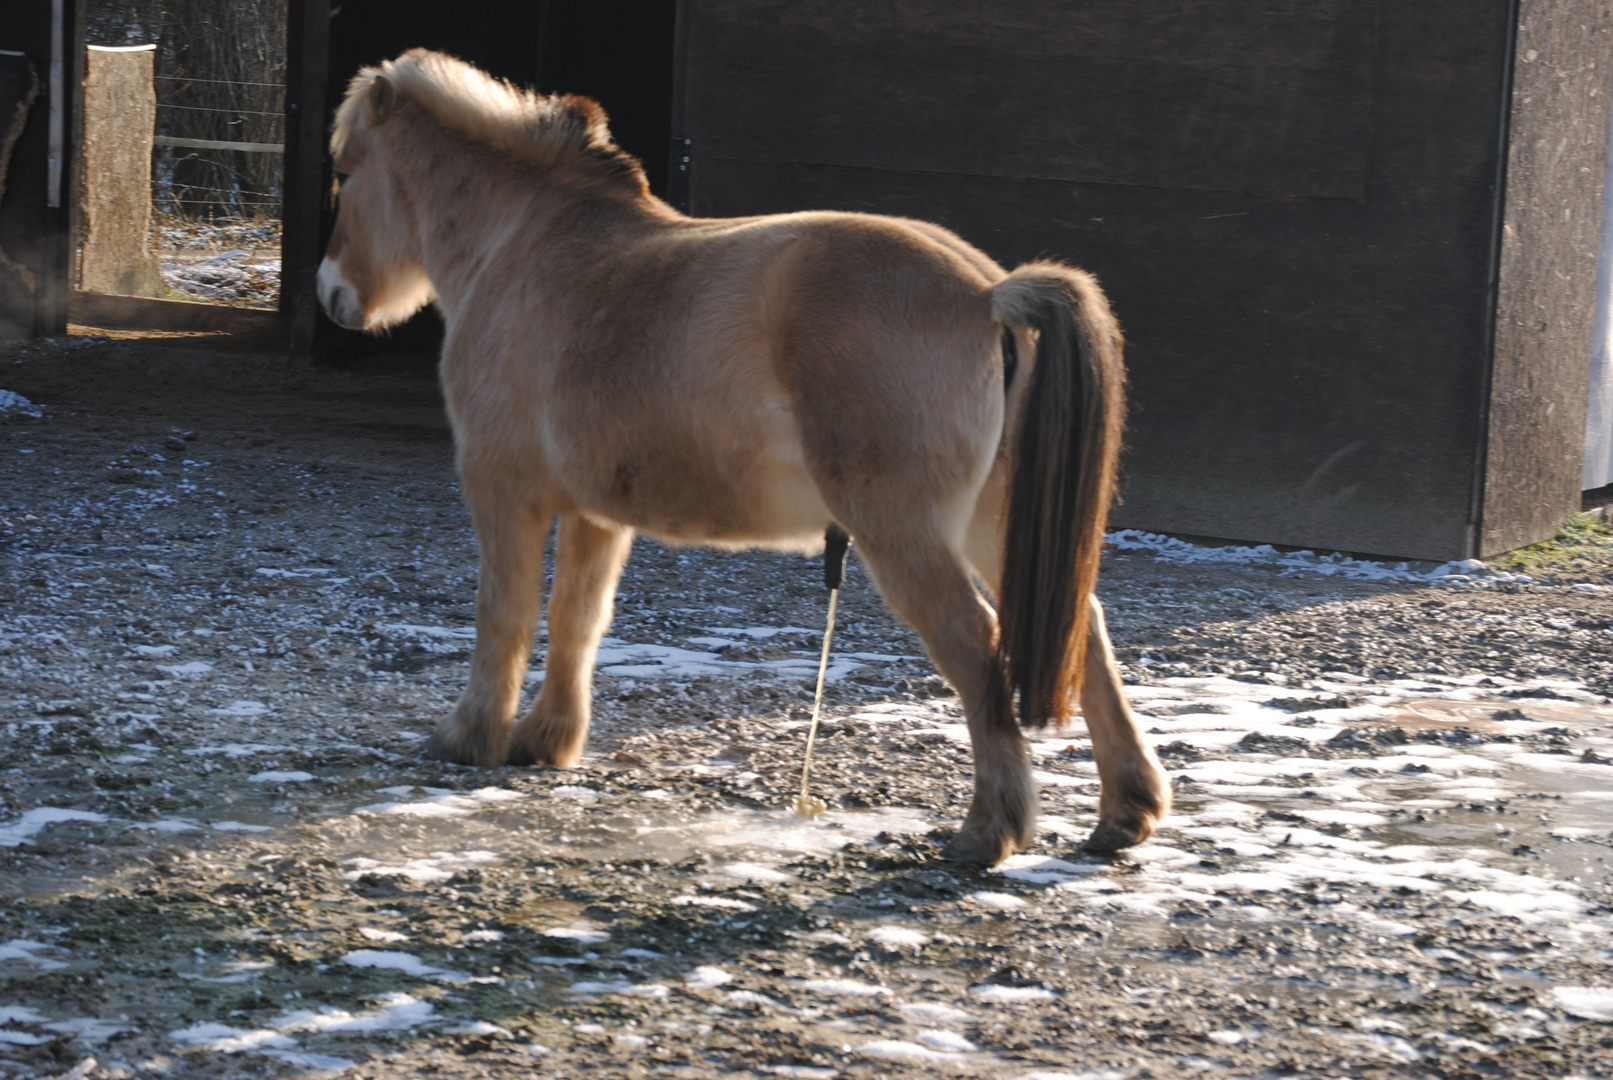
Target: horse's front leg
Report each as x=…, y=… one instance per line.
x=1135, y=793
x=588, y=562
x=511, y=533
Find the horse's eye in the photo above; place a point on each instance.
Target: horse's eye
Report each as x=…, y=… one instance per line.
x=341, y=178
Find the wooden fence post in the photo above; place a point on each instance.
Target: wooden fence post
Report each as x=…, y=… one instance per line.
x=120, y=120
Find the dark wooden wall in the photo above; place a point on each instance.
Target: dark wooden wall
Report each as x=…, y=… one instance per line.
x=1295, y=209
x=35, y=237
x=21, y=214
x=1550, y=242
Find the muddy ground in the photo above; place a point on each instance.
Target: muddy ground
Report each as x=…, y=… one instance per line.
x=234, y=598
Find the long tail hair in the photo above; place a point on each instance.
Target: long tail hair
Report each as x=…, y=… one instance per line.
x=1061, y=481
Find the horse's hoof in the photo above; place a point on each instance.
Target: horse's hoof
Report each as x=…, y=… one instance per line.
x=544, y=747
x=455, y=752
x=968, y=847
x=1109, y=837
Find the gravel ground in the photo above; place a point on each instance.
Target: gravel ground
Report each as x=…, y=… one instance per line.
x=228, y=262
x=235, y=598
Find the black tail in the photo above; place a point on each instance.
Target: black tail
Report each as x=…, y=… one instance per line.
x=1062, y=475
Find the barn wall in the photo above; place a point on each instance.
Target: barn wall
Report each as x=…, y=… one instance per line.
x=34, y=235
x=1549, y=247
x=20, y=199
x=1294, y=216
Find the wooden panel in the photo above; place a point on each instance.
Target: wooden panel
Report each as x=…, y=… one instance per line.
x=108, y=312
x=1299, y=374
x=35, y=234
x=309, y=111
x=1272, y=97
x=21, y=210
x=1303, y=371
x=1557, y=156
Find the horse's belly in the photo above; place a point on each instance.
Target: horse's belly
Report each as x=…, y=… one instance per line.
x=750, y=489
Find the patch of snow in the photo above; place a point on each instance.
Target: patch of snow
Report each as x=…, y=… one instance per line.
x=242, y=708
x=433, y=868
x=936, y=1013
x=997, y=901
x=20, y=1014
x=13, y=402
x=281, y=776
x=948, y=1041
x=707, y=977
x=627, y=660
x=32, y=821
x=407, y=963
x=744, y=871
x=398, y=1012
x=317, y=1062
x=235, y=749
x=1390, y=1046
x=1585, y=1002
x=713, y=901
x=479, y=1027
x=445, y=804
x=186, y=671
x=906, y=1051
x=23, y=1038
x=582, y=932
x=619, y=986
x=1011, y=994
x=842, y=987
x=169, y=825
x=1167, y=549
x=229, y=1040
x=898, y=937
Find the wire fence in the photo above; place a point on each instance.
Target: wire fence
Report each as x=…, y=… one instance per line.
x=215, y=162
x=220, y=85
x=214, y=211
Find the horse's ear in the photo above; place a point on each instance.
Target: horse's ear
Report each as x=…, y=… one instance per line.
x=383, y=96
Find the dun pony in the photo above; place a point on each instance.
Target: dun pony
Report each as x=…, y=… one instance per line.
x=738, y=382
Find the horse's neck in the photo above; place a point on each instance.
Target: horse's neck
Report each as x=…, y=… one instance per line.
x=467, y=219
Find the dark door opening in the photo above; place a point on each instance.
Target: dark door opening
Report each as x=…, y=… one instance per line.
x=618, y=52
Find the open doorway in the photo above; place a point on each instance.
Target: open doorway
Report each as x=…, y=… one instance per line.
x=183, y=121
x=619, y=52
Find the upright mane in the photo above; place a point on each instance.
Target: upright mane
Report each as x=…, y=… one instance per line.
x=548, y=130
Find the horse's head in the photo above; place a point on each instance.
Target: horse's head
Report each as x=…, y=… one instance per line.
x=371, y=277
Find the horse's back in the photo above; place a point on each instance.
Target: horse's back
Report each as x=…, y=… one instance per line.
x=743, y=381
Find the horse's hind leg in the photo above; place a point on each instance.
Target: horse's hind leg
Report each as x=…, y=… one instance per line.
x=924, y=581
x=588, y=562
x=510, y=533
x=1135, y=794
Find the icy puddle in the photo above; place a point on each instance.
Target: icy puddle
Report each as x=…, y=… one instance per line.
x=1367, y=849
